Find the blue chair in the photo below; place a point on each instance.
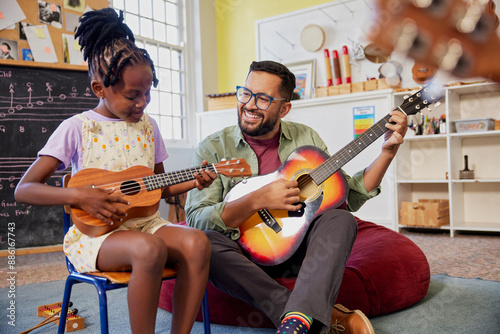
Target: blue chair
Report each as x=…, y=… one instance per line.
x=104, y=281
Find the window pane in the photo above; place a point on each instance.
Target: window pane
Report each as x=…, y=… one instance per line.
x=172, y=13
x=132, y=6
x=133, y=22
x=159, y=10
x=176, y=105
x=165, y=57
x=166, y=127
x=159, y=32
x=177, y=128
x=118, y=4
x=152, y=51
x=146, y=8
x=172, y=35
x=165, y=80
x=154, y=105
x=146, y=28
x=176, y=60
x=165, y=104
x=176, y=82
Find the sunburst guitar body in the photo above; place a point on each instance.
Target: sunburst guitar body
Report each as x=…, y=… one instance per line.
x=270, y=237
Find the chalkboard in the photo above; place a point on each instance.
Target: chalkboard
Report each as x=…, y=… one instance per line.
x=33, y=102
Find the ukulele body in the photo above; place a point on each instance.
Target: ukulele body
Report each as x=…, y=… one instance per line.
x=142, y=203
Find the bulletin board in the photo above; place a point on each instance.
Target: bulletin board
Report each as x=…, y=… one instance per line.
x=33, y=102
x=61, y=24
x=344, y=22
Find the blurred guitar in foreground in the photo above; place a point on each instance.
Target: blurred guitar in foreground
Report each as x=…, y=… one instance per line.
x=457, y=36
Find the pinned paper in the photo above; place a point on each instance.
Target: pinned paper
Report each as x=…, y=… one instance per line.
x=41, y=47
x=363, y=119
x=39, y=33
x=10, y=13
x=71, y=50
x=53, y=7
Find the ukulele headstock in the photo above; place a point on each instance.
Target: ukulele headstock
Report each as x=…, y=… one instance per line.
x=233, y=168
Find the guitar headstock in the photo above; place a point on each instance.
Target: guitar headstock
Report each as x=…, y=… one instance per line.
x=422, y=99
x=457, y=36
x=233, y=168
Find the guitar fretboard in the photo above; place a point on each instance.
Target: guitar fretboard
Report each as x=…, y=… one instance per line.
x=348, y=152
x=154, y=182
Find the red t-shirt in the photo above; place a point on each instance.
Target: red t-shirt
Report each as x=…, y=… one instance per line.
x=267, y=153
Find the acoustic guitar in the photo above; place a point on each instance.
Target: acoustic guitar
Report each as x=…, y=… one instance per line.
x=459, y=37
x=270, y=237
x=141, y=187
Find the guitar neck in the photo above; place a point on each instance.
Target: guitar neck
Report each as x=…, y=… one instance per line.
x=348, y=152
x=157, y=181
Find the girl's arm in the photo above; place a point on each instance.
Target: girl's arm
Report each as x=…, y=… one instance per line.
x=32, y=189
x=199, y=182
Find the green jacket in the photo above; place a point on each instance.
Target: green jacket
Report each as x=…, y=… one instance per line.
x=204, y=208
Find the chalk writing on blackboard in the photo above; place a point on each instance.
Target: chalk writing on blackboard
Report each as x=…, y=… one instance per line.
x=33, y=102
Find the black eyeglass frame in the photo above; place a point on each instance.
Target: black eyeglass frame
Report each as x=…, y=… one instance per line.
x=255, y=96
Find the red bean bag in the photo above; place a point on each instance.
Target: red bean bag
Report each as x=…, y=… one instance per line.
x=386, y=272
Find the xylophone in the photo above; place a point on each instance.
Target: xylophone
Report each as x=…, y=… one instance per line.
x=51, y=313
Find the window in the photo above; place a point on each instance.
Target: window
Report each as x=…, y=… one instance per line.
x=158, y=28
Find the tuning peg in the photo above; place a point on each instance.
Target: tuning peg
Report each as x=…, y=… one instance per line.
x=422, y=3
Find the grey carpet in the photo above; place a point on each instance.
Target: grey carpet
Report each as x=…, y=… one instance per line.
x=452, y=305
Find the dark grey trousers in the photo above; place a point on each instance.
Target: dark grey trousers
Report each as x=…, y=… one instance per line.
x=318, y=264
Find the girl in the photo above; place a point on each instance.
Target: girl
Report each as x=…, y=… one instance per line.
x=108, y=137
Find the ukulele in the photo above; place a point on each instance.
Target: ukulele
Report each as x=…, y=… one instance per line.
x=270, y=237
x=141, y=187
x=456, y=36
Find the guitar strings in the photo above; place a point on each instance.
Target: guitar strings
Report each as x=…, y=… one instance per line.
x=137, y=184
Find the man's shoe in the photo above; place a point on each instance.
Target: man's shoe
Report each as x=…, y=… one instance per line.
x=345, y=321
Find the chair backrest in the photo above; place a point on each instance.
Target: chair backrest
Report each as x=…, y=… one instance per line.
x=67, y=221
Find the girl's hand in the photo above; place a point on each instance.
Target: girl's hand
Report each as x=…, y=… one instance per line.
x=204, y=177
x=100, y=203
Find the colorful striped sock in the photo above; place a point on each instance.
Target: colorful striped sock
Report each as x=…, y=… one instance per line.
x=295, y=323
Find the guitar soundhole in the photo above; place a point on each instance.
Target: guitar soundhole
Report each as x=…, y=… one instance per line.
x=130, y=188
x=307, y=187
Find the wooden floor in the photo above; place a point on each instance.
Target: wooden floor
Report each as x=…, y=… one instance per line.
x=465, y=255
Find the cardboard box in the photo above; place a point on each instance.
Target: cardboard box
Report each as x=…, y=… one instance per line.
x=425, y=213
x=371, y=85
x=358, y=87
x=497, y=125
x=345, y=88
x=222, y=101
x=321, y=91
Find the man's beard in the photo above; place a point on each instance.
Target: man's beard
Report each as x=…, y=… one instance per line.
x=264, y=127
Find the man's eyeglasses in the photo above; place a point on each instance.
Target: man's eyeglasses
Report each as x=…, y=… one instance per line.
x=262, y=101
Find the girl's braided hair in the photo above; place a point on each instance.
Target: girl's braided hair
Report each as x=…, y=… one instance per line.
x=109, y=45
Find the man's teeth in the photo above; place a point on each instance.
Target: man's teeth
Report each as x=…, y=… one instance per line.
x=251, y=116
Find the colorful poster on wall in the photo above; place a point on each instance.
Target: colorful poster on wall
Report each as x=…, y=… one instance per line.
x=364, y=118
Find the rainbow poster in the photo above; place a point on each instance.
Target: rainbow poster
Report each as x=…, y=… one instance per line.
x=363, y=119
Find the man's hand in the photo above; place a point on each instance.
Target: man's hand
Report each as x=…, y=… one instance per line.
x=204, y=177
x=397, y=130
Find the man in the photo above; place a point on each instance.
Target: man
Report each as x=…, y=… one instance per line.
x=6, y=49
x=264, y=140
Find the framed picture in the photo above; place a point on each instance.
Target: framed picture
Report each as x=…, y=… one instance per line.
x=304, y=77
